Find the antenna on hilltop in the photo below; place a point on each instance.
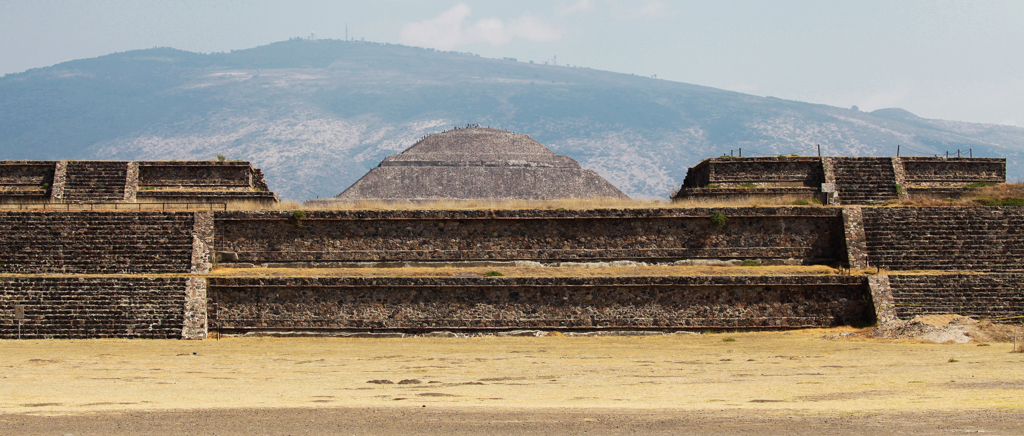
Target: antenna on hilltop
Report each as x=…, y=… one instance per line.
x=554, y=60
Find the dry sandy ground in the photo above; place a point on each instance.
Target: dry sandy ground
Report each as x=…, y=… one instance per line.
x=736, y=383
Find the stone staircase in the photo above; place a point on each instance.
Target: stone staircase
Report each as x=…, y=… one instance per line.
x=93, y=307
x=979, y=296
x=95, y=242
x=95, y=181
x=865, y=180
x=945, y=238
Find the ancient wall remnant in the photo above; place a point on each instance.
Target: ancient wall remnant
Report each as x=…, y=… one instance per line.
x=945, y=238
x=790, y=234
x=95, y=242
x=131, y=182
x=395, y=303
x=980, y=296
x=855, y=180
x=26, y=181
x=92, y=307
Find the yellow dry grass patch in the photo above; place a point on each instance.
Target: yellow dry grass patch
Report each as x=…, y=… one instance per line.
x=795, y=371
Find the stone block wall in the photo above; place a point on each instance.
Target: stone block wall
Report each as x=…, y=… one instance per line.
x=96, y=242
x=996, y=297
x=201, y=181
x=954, y=172
x=22, y=181
x=945, y=238
x=777, y=171
x=804, y=235
x=858, y=180
x=92, y=307
x=394, y=303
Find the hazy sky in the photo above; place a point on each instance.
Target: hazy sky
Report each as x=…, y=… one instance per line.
x=959, y=60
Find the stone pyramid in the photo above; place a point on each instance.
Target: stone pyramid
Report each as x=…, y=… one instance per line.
x=478, y=163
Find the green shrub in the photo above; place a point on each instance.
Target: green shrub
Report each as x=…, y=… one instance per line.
x=748, y=185
x=980, y=184
x=297, y=218
x=221, y=158
x=899, y=189
x=993, y=201
x=493, y=274
x=728, y=339
x=718, y=219
x=750, y=263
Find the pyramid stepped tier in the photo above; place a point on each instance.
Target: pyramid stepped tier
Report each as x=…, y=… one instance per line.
x=95, y=181
x=945, y=238
x=865, y=180
x=96, y=242
x=478, y=163
x=979, y=296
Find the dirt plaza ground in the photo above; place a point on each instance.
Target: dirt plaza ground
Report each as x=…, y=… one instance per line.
x=796, y=382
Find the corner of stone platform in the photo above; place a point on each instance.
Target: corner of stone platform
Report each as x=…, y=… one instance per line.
x=202, y=242
x=881, y=296
x=194, y=324
x=856, y=241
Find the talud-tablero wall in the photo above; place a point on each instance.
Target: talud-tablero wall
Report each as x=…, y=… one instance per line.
x=488, y=303
x=796, y=235
x=71, y=274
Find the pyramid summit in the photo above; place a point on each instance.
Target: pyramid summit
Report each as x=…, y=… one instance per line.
x=478, y=163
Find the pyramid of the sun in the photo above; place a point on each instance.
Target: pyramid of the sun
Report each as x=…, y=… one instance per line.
x=478, y=163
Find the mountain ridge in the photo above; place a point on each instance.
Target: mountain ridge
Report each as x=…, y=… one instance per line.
x=316, y=115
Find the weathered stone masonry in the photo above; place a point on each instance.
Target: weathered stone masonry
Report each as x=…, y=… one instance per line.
x=241, y=304
x=92, y=307
x=801, y=235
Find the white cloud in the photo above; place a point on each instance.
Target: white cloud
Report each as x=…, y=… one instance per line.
x=579, y=5
x=450, y=30
x=650, y=9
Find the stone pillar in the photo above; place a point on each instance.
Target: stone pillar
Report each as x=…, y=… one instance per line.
x=60, y=176
x=829, y=186
x=202, y=242
x=856, y=243
x=131, y=183
x=194, y=323
x=901, y=177
x=881, y=296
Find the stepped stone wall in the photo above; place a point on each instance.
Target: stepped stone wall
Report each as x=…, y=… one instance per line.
x=95, y=242
x=796, y=235
x=244, y=304
x=182, y=182
x=979, y=296
x=945, y=238
x=26, y=181
x=123, y=181
x=857, y=180
x=92, y=307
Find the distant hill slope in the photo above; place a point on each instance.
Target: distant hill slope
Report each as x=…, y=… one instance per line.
x=316, y=115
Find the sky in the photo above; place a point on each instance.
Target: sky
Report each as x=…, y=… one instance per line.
x=955, y=60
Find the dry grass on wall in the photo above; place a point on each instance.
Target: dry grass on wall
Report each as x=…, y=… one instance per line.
x=566, y=203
